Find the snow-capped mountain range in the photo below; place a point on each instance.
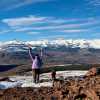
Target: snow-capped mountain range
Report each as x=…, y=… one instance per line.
x=19, y=45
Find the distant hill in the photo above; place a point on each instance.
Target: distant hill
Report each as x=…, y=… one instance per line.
x=16, y=52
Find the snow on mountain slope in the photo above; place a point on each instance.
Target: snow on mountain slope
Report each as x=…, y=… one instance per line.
x=20, y=45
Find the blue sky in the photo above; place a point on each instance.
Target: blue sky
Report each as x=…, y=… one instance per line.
x=49, y=19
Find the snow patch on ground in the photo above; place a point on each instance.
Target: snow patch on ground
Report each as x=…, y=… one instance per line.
x=5, y=84
x=44, y=84
x=27, y=81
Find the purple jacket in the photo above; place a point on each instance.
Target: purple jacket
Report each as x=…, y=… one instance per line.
x=35, y=61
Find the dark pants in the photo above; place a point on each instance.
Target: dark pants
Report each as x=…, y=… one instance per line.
x=36, y=74
x=53, y=75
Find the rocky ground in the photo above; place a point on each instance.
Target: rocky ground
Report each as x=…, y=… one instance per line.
x=86, y=88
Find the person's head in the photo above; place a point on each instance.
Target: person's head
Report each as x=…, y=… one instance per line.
x=37, y=56
x=53, y=70
x=30, y=49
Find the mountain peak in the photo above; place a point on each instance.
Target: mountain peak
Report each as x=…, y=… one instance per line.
x=57, y=42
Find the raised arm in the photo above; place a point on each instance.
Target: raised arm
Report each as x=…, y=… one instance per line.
x=41, y=52
x=30, y=53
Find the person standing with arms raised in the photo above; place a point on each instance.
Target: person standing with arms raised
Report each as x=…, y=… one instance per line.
x=36, y=65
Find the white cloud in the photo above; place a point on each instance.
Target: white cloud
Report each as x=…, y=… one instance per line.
x=75, y=30
x=50, y=27
x=4, y=31
x=23, y=29
x=13, y=4
x=94, y=3
x=47, y=23
x=33, y=33
x=38, y=23
x=32, y=20
x=64, y=26
x=23, y=20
